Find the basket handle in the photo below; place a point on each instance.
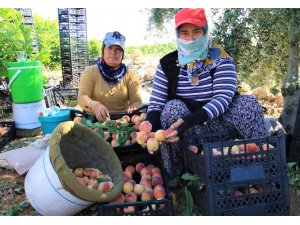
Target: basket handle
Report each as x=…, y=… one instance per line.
x=13, y=78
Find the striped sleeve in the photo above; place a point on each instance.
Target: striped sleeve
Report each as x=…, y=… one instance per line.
x=224, y=86
x=159, y=95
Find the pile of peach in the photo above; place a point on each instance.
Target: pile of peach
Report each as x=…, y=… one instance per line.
x=93, y=179
x=147, y=187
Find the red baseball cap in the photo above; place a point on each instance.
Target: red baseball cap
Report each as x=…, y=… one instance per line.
x=194, y=16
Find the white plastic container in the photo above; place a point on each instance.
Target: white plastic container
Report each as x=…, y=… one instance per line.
x=45, y=192
x=26, y=115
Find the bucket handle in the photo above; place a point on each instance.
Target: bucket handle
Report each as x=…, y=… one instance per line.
x=13, y=78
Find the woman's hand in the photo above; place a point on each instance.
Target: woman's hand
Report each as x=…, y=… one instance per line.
x=101, y=113
x=130, y=110
x=172, y=137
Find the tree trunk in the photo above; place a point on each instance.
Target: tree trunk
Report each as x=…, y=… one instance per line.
x=290, y=89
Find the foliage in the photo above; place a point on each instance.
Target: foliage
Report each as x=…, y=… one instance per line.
x=154, y=50
x=294, y=174
x=94, y=48
x=48, y=42
x=158, y=17
x=14, y=36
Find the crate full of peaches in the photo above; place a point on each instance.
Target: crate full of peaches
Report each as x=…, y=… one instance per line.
x=128, y=131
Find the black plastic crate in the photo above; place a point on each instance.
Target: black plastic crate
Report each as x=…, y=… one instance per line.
x=218, y=163
x=163, y=207
x=10, y=135
x=269, y=197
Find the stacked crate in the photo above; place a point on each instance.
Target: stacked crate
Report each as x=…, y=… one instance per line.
x=241, y=177
x=28, y=20
x=73, y=44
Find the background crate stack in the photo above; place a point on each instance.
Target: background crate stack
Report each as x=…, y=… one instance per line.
x=58, y=96
x=237, y=182
x=73, y=44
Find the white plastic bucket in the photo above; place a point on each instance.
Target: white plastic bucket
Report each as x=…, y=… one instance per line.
x=45, y=192
x=26, y=115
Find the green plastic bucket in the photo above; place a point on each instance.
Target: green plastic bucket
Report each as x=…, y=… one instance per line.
x=25, y=81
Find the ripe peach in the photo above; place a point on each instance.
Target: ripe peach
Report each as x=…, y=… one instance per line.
x=252, y=147
x=138, y=189
x=148, y=176
x=130, y=197
x=137, y=120
x=139, y=166
x=105, y=186
x=132, y=181
x=133, y=134
x=126, y=177
x=235, y=150
x=92, y=182
x=131, y=169
x=160, y=135
x=133, y=141
x=253, y=190
x=78, y=172
x=238, y=193
x=87, y=171
x=145, y=170
x=95, y=173
x=114, y=136
x=129, y=209
x=152, y=145
x=136, y=127
x=157, y=179
x=105, y=134
x=146, y=182
x=150, y=167
x=147, y=195
x=77, y=119
x=127, y=173
x=126, y=117
x=113, y=143
x=159, y=191
x=193, y=148
x=119, y=199
x=132, y=118
x=82, y=180
x=155, y=170
x=145, y=126
x=151, y=134
x=142, y=137
x=96, y=129
x=143, y=116
x=127, y=187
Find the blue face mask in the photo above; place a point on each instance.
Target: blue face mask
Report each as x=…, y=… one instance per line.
x=188, y=51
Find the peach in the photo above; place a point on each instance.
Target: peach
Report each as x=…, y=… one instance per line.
x=129, y=209
x=150, y=167
x=160, y=135
x=136, y=127
x=96, y=129
x=145, y=170
x=253, y=190
x=137, y=120
x=151, y=134
x=142, y=137
x=130, y=197
x=113, y=143
x=145, y=126
x=133, y=134
x=148, y=176
x=238, y=193
x=82, y=180
x=126, y=117
x=143, y=116
x=235, y=150
x=77, y=119
x=252, y=147
x=147, y=195
x=106, y=134
x=146, y=183
x=152, y=145
x=95, y=173
x=126, y=177
x=139, y=166
x=133, y=141
x=131, y=169
x=127, y=173
x=93, y=183
x=105, y=186
x=157, y=179
x=155, y=170
x=78, y=172
x=193, y=148
x=132, y=181
x=87, y=171
x=133, y=117
x=127, y=142
x=127, y=187
x=119, y=199
x=159, y=191
x=114, y=136
x=138, y=189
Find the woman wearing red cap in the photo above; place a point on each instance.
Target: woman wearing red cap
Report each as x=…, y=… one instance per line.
x=109, y=86
x=194, y=92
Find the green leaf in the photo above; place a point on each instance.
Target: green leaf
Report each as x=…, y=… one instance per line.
x=19, y=190
x=13, y=210
x=189, y=202
x=101, y=132
x=190, y=177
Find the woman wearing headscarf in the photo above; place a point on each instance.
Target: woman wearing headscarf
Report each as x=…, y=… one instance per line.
x=194, y=92
x=109, y=86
